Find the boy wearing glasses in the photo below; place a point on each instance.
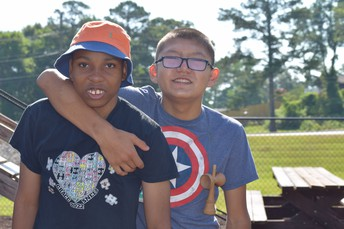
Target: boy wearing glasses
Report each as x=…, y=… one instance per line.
x=199, y=137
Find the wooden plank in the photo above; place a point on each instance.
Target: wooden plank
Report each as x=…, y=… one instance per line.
x=249, y=204
x=295, y=178
x=9, y=177
x=259, y=214
x=10, y=169
x=335, y=180
x=7, y=121
x=5, y=132
x=323, y=179
x=281, y=177
x=2, y=160
x=8, y=186
x=255, y=206
x=309, y=176
x=9, y=172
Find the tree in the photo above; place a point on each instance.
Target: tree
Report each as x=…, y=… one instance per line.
x=144, y=34
x=26, y=54
x=239, y=85
x=132, y=17
x=148, y=40
x=263, y=19
x=16, y=66
x=74, y=13
x=315, y=40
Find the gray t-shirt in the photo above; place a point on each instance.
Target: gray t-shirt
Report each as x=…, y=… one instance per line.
x=197, y=145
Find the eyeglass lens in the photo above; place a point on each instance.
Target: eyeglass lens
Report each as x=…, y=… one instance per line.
x=192, y=63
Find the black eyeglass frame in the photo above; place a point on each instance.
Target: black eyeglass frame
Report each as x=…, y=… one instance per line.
x=187, y=62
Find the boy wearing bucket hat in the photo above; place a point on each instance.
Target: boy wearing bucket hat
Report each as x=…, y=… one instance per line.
x=65, y=180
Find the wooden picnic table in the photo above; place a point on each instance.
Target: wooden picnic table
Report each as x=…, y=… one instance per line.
x=316, y=195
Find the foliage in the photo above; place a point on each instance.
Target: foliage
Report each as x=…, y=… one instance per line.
x=130, y=16
x=316, y=125
x=310, y=103
x=291, y=109
x=314, y=41
x=239, y=84
x=246, y=79
x=341, y=92
x=310, y=125
x=262, y=18
x=25, y=54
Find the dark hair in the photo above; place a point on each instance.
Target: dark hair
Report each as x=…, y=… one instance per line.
x=187, y=34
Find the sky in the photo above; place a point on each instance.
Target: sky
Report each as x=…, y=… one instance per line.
x=17, y=14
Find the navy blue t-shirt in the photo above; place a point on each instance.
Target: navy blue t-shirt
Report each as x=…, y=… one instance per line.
x=78, y=187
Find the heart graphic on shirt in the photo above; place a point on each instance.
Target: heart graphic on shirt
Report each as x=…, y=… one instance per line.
x=78, y=178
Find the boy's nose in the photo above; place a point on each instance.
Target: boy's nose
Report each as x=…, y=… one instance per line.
x=95, y=75
x=184, y=64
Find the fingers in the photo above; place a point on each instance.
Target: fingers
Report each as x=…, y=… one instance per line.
x=125, y=167
x=138, y=162
x=119, y=171
x=139, y=143
x=121, y=152
x=143, y=146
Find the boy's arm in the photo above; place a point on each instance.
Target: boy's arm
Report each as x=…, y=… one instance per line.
x=27, y=199
x=117, y=146
x=156, y=198
x=236, y=205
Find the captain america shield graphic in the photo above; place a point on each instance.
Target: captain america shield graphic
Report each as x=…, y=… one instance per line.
x=192, y=162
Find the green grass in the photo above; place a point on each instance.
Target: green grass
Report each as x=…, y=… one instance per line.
x=6, y=206
x=325, y=151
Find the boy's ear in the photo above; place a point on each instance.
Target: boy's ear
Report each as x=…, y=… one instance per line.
x=153, y=73
x=70, y=70
x=215, y=73
x=124, y=70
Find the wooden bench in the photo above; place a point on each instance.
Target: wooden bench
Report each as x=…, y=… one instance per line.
x=9, y=171
x=7, y=127
x=255, y=206
x=9, y=176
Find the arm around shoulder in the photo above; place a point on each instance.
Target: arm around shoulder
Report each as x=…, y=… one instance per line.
x=49, y=78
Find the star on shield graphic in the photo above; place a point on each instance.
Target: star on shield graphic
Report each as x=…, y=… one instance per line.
x=192, y=162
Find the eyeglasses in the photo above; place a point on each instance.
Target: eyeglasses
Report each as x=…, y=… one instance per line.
x=192, y=63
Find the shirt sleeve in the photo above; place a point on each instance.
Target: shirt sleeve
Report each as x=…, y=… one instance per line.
x=159, y=161
x=240, y=168
x=22, y=140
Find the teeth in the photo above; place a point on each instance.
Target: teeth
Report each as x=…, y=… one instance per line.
x=95, y=91
x=182, y=80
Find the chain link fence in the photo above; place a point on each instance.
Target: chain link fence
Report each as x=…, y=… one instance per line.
x=323, y=147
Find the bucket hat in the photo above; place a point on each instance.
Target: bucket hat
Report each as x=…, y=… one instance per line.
x=99, y=36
